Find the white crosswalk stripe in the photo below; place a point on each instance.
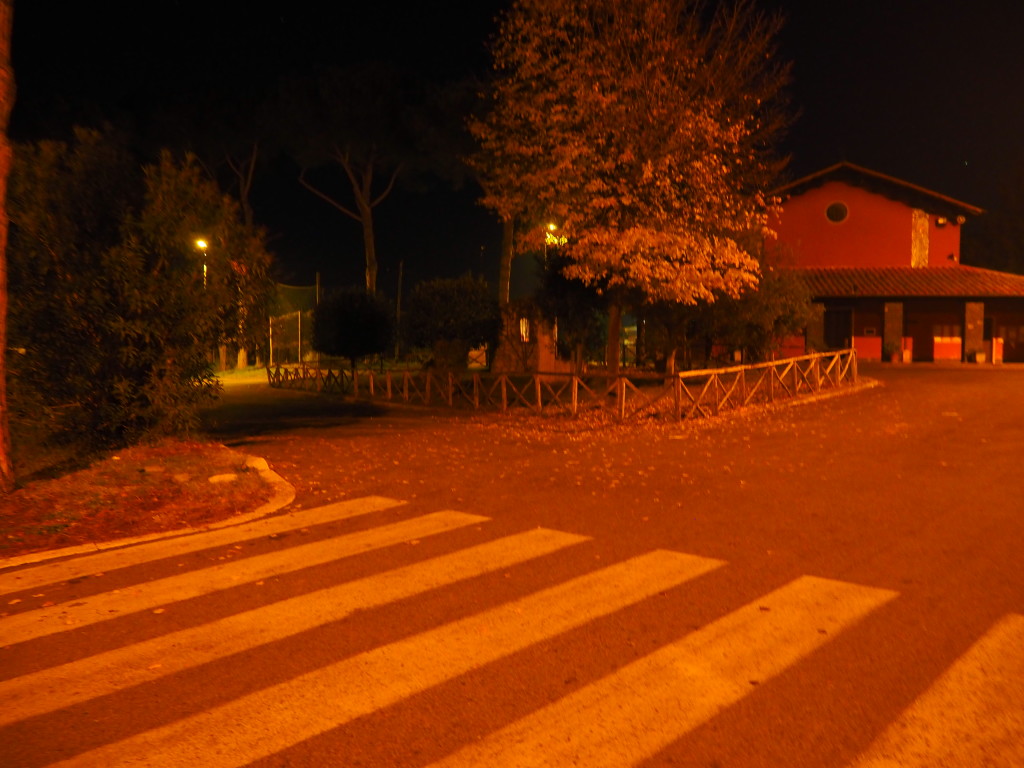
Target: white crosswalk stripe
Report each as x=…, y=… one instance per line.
x=627, y=717
x=326, y=698
x=108, y=605
x=64, y=570
x=108, y=672
x=973, y=715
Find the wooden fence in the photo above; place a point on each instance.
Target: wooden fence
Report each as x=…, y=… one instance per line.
x=692, y=394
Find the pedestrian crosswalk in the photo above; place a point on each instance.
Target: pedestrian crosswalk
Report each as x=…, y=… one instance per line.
x=108, y=605
x=972, y=716
x=623, y=718
x=680, y=686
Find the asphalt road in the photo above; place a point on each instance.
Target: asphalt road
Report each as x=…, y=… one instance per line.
x=830, y=584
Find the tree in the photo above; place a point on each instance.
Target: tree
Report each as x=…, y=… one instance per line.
x=451, y=316
x=353, y=324
x=755, y=322
x=575, y=309
x=645, y=127
x=760, y=318
x=6, y=103
x=374, y=123
x=231, y=130
x=117, y=309
x=181, y=203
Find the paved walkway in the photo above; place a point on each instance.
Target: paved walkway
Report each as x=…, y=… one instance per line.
x=835, y=585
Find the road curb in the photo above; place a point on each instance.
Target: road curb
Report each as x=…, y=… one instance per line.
x=863, y=383
x=283, y=493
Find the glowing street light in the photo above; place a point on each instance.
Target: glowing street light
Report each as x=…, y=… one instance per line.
x=202, y=245
x=550, y=238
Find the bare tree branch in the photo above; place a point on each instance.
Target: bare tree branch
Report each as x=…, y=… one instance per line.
x=325, y=197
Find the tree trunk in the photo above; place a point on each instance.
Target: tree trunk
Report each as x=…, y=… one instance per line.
x=362, y=188
x=614, y=331
x=670, y=362
x=641, y=338
x=505, y=269
x=6, y=102
x=370, y=247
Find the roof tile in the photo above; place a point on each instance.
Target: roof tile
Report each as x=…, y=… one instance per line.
x=891, y=282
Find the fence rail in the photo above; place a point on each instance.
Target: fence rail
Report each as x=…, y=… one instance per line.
x=687, y=395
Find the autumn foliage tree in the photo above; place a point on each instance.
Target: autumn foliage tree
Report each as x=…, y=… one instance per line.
x=646, y=129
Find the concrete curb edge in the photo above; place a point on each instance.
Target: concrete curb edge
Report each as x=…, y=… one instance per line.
x=282, y=494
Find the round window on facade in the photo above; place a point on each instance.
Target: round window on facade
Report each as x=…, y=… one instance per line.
x=837, y=212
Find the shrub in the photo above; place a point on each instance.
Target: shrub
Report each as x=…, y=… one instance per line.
x=352, y=324
x=451, y=316
x=116, y=309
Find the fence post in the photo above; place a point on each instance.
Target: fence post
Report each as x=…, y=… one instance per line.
x=476, y=390
x=538, y=393
x=677, y=395
x=504, y=394
x=575, y=394
x=620, y=387
x=451, y=388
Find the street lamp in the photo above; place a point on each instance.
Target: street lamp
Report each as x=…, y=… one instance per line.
x=550, y=238
x=202, y=245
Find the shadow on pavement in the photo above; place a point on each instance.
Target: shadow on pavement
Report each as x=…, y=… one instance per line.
x=254, y=409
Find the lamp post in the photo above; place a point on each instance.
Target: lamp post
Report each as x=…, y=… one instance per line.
x=550, y=238
x=202, y=245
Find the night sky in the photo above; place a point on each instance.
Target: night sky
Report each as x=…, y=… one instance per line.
x=926, y=90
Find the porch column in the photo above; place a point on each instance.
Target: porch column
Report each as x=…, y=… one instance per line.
x=892, y=328
x=974, y=329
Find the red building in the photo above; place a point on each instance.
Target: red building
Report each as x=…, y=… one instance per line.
x=882, y=260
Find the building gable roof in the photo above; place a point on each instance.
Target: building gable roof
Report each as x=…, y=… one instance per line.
x=887, y=186
x=893, y=282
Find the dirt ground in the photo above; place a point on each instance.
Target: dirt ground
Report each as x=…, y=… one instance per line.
x=133, y=492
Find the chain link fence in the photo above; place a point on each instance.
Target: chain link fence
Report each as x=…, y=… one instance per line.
x=291, y=325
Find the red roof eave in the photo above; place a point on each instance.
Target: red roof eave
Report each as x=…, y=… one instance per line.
x=849, y=169
x=908, y=282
